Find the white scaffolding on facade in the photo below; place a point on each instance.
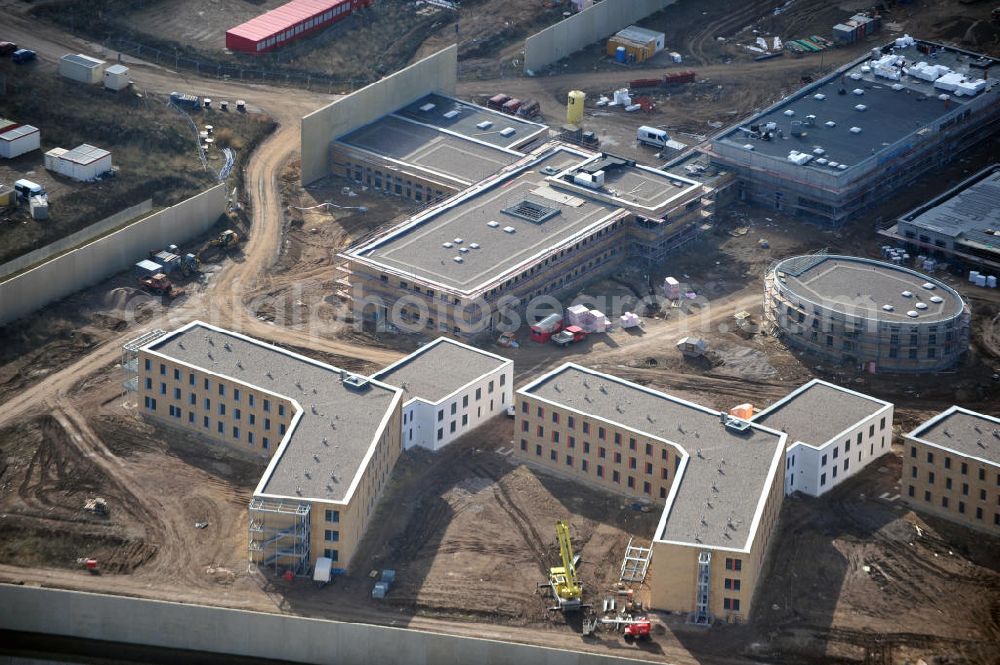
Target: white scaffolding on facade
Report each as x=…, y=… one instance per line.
x=130, y=358
x=279, y=535
x=635, y=564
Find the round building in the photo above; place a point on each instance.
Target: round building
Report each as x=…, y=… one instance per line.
x=852, y=310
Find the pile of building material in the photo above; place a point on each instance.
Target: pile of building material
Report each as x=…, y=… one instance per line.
x=984, y=281
x=382, y=586
x=629, y=320
x=590, y=320
x=857, y=27
x=16, y=139
x=84, y=163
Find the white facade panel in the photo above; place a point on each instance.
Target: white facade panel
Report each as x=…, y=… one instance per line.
x=434, y=426
x=815, y=470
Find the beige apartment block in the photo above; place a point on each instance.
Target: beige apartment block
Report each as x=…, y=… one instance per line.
x=332, y=437
x=951, y=468
x=718, y=479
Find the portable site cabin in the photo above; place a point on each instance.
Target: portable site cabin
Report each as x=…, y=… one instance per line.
x=18, y=139
x=639, y=44
x=84, y=163
x=81, y=68
x=116, y=78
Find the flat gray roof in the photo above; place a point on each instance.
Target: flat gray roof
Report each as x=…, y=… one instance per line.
x=969, y=212
x=867, y=286
x=430, y=149
x=890, y=116
x=469, y=116
x=817, y=412
x=726, y=474
x=417, y=248
x=966, y=432
x=629, y=184
x=438, y=369
x=84, y=60
x=348, y=421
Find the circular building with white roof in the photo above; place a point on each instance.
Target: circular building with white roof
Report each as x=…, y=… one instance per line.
x=852, y=310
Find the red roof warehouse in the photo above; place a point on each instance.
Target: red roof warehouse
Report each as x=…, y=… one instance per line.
x=289, y=22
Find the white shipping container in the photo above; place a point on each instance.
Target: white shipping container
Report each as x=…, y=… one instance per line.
x=82, y=68
x=116, y=77
x=15, y=142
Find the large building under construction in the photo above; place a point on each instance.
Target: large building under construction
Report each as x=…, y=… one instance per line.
x=331, y=437
x=549, y=221
x=842, y=143
x=719, y=478
x=851, y=310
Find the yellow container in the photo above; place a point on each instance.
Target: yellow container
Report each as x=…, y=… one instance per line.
x=574, y=107
x=6, y=197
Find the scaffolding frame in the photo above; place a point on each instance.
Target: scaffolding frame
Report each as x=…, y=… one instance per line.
x=701, y=615
x=636, y=563
x=278, y=535
x=130, y=359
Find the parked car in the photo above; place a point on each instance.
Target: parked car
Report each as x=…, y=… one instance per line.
x=23, y=55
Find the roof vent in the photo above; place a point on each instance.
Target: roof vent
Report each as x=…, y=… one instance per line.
x=748, y=146
x=842, y=167
x=492, y=224
x=355, y=382
x=463, y=250
x=912, y=314
x=508, y=229
x=834, y=164
x=858, y=91
x=921, y=305
x=855, y=130
x=818, y=151
x=819, y=96
x=459, y=241
x=507, y=131
x=928, y=286
x=474, y=245
x=789, y=112
x=907, y=294
x=937, y=299
x=447, y=245
x=822, y=161
x=451, y=114
x=457, y=259
x=830, y=123
x=860, y=107
x=485, y=124
x=888, y=308
x=427, y=107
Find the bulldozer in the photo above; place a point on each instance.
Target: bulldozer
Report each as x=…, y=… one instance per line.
x=228, y=239
x=565, y=587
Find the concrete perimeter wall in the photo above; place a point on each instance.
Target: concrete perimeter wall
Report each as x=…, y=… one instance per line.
x=275, y=636
x=74, y=239
x=596, y=22
x=106, y=256
x=435, y=73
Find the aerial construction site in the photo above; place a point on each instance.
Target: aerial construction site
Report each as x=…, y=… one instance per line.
x=581, y=332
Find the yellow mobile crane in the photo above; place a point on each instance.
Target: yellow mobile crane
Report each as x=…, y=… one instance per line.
x=566, y=589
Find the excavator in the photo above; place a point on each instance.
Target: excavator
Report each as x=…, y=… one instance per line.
x=566, y=588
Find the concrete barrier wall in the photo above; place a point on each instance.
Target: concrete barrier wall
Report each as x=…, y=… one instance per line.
x=596, y=22
x=106, y=256
x=275, y=636
x=437, y=72
x=74, y=239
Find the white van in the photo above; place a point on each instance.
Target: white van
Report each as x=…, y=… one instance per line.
x=26, y=189
x=652, y=136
